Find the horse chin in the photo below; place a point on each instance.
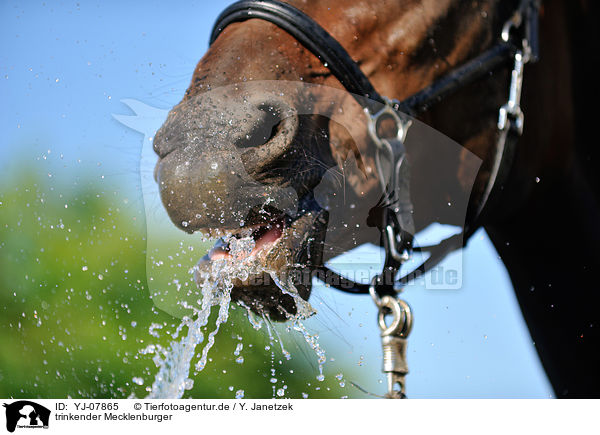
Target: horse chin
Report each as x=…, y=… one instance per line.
x=285, y=253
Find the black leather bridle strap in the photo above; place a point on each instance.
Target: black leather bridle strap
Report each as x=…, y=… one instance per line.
x=320, y=43
x=436, y=254
x=490, y=60
x=310, y=34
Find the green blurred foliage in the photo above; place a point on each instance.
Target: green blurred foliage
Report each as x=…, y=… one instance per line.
x=75, y=309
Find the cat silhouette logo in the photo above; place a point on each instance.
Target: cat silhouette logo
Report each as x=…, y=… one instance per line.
x=26, y=414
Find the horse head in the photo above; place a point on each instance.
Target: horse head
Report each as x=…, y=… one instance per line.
x=264, y=127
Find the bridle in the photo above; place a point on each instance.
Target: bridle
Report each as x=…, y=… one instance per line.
x=518, y=45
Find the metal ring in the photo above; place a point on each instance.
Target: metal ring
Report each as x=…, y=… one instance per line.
x=402, y=124
x=402, y=317
x=398, y=316
x=373, y=292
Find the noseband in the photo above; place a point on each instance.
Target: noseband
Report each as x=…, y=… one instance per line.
x=518, y=44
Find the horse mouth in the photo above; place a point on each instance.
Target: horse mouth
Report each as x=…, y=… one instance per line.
x=276, y=253
x=264, y=237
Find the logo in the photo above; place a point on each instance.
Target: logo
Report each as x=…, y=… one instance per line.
x=26, y=414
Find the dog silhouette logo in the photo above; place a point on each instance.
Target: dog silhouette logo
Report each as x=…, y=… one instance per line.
x=26, y=414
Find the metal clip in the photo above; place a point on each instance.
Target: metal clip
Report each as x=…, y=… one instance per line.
x=394, y=343
x=393, y=148
x=387, y=111
x=527, y=14
x=512, y=107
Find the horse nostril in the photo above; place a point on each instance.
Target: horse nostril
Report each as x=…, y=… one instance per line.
x=268, y=143
x=260, y=135
x=274, y=131
x=263, y=126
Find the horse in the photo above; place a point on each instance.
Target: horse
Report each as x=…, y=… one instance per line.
x=222, y=153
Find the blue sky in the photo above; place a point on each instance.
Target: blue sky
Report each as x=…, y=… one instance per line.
x=64, y=69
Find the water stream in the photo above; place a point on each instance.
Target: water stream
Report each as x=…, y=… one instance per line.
x=174, y=362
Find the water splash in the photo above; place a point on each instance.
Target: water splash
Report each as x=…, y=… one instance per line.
x=175, y=361
x=313, y=342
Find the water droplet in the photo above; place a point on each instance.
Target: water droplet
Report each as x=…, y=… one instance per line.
x=238, y=349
